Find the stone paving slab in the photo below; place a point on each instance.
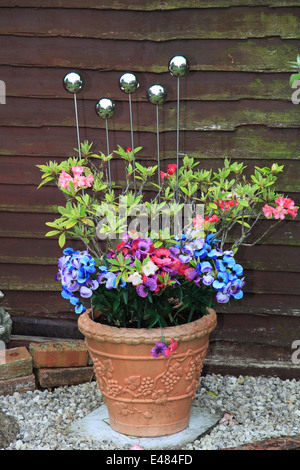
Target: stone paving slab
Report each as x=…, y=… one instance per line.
x=96, y=425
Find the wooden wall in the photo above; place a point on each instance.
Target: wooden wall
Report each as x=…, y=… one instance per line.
x=235, y=102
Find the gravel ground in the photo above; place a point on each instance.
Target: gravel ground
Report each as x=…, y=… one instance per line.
x=260, y=407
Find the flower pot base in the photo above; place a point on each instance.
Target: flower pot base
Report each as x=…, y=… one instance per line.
x=150, y=430
x=96, y=425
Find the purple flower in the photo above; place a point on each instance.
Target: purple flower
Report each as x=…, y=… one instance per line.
x=204, y=267
x=143, y=248
x=107, y=278
x=85, y=292
x=173, y=252
x=159, y=348
x=194, y=276
x=222, y=298
x=208, y=279
x=143, y=289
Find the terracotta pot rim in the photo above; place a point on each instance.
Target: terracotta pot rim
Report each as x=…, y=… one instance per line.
x=186, y=332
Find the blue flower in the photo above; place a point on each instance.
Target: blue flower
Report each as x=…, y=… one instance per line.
x=74, y=271
x=222, y=280
x=213, y=254
x=89, y=264
x=238, y=269
x=204, y=267
x=79, y=307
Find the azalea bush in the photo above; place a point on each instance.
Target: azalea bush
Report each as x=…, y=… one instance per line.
x=154, y=253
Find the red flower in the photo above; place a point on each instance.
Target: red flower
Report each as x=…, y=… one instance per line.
x=162, y=257
x=227, y=204
x=213, y=218
x=171, y=348
x=129, y=149
x=163, y=175
x=172, y=168
x=119, y=245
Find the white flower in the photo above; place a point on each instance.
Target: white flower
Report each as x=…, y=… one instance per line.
x=149, y=268
x=135, y=279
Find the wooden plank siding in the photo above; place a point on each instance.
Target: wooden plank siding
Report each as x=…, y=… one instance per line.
x=235, y=102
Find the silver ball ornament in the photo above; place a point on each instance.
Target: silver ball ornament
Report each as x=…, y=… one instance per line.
x=157, y=94
x=128, y=83
x=105, y=108
x=179, y=66
x=73, y=82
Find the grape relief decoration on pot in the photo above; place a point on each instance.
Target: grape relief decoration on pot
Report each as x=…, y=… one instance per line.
x=185, y=367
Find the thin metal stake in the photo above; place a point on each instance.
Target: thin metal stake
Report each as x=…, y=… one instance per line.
x=107, y=145
x=158, y=156
x=177, y=157
x=77, y=127
x=132, y=145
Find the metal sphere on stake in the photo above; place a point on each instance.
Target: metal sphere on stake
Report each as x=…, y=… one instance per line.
x=106, y=108
x=178, y=67
x=129, y=83
x=157, y=95
x=73, y=83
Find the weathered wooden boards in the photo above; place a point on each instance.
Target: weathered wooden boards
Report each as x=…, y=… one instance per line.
x=235, y=102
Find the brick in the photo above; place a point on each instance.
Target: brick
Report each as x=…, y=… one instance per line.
x=57, y=377
x=59, y=354
x=272, y=443
x=16, y=362
x=18, y=384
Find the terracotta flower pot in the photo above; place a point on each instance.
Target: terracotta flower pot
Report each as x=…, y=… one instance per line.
x=147, y=396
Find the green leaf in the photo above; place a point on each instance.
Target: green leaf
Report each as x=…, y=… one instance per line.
x=294, y=77
x=212, y=393
x=62, y=240
x=49, y=178
x=243, y=202
x=52, y=233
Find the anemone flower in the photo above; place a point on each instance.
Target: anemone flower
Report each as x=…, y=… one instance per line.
x=159, y=348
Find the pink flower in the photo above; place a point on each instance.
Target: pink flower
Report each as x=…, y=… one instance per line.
x=136, y=447
x=77, y=170
x=279, y=212
x=227, y=419
x=89, y=180
x=198, y=221
x=285, y=202
x=64, y=179
x=268, y=211
x=293, y=212
x=289, y=203
x=78, y=181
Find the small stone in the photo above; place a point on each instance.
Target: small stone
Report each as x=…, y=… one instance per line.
x=8, y=429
